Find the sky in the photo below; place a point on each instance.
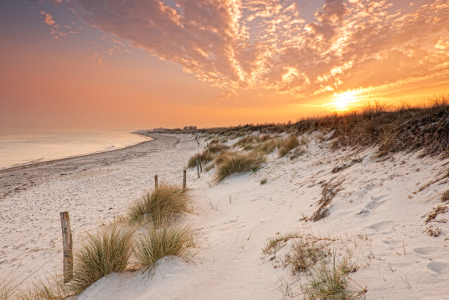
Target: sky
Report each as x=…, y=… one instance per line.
x=140, y=64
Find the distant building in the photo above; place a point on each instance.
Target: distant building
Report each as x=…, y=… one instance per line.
x=189, y=128
x=159, y=129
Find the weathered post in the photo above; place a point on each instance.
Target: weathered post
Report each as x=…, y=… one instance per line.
x=196, y=138
x=67, y=246
x=201, y=166
x=155, y=182
x=198, y=168
x=184, y=180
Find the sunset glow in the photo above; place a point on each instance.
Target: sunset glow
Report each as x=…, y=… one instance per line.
x=160, y=63
x=344, y=101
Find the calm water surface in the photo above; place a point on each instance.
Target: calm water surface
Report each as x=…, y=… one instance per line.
x=17, y=148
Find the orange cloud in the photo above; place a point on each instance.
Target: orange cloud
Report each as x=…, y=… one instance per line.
x=249, y=44
x=54, y=27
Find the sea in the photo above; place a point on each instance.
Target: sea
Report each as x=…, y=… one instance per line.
x=20, y=148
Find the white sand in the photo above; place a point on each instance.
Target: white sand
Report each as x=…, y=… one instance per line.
x=378, y=201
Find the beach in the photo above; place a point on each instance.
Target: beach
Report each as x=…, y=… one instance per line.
x=378, y=213
x=93, y=188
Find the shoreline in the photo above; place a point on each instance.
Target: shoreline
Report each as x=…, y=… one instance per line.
x=16, y=179
x=31, y=163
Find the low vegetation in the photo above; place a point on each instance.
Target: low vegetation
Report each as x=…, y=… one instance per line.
x=217, y=147
x=160, y=204
x=204, y=157
x=392, y=129
x=330, y=281
x=106, y=251
x=238, y=163
x=313, y=257
x=288, y=144
x=155, y=243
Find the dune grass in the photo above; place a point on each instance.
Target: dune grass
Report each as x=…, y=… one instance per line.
x=288, y=144
x=160, y=204
x=331, y=281
x=266, y=147
x=392, y=129
x=7, y=286
x=204, y=157
x=49, y=288
x=156, y=242
x=99, y=254
x=217, y=147
x=238, y=163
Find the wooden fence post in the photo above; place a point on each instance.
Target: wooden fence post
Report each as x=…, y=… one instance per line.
x=155, y=182
x=184, y=179
x=201, y=165
x=198, y=168
x=67, y=246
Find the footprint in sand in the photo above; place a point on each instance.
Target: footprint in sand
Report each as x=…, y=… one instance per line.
x=380, y=226
x=438, y=267
x=425, y=250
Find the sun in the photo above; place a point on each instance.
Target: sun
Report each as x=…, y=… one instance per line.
x=344, y=101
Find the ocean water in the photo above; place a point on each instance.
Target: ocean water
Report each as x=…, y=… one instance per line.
x=18, y=148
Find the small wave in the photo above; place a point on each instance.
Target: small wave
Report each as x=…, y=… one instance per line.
x=110, y=148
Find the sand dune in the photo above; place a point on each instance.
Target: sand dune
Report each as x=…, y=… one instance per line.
x=379, y=211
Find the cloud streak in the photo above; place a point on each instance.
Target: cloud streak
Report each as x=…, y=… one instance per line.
x=357, y=44
x=54, y=27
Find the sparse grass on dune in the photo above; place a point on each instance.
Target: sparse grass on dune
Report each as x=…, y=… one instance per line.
x=167, y=239
x=49, y=288
x=99, y=254
x=288, y=144
x=331, y=281
x=163, y=202
x=246, y=142
x=7, y=286
x=267, y=147
x=238, y=163
x=217, y=147
x=205, y=157
x=403, y=128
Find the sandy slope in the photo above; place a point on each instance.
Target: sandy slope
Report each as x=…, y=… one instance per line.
x=378, y=212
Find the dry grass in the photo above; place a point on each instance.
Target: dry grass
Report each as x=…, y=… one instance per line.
x=331, y=281
x=99, y=254
x=7, y=286
x=204, y=157
x=217, y=147
x=238, y=163
x=49, y=288
x=445, y=196
x=267, y=147
x=435, y=212
x=308, y=256
x=288, y=144
x=392, y=129
x=162, y=203
x=168, y=239
x=329, y=191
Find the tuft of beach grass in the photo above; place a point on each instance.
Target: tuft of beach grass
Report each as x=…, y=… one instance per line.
x=161, y=203
x=238, y=163
x=101, y=253
x=167, y=239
